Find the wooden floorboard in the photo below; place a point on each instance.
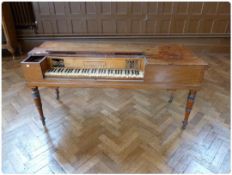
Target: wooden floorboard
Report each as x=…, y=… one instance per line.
x=116, y=131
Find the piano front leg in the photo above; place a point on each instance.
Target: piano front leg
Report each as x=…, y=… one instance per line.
x=189, y=105
x=37, y=101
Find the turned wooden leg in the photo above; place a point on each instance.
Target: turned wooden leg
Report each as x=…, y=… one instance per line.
x=57, y=94
x=37, y=101
x=189, y=105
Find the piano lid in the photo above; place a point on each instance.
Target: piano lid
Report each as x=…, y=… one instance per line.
x=165, y=54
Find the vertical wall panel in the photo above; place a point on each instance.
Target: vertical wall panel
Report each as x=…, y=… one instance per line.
x=91, y=8
x=136, y=26
x=122, y=26
x=133, y=18
x=181, y=8
x=195, y=7
x=152, y=8
x=59, y=8
x=192, y=26
x=137, y=8
x=150, y=26
x=205, y=26
x=48, y=27
x=75, y=8
x=44, y=8
x=210, y=7
x=122, y=8
x=165, y=7
x=62, y=26
x=219, y=26
x=92, y=26
x=79, y=26
x=106, y=8
x=163, y=26
x=224, y=7
x=108, y=26
x=177, y=25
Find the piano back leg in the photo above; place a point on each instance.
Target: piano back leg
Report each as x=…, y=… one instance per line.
x=171, y=97
x=38, y=104
x=57, y=94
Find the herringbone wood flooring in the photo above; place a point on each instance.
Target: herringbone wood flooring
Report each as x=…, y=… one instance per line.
x=116, y=131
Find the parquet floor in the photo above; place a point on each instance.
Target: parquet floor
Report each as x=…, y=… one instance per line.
x=116, y=131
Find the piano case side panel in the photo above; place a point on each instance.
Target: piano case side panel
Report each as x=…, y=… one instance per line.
x=32, y=72
x=35, y=71
x=174, y=74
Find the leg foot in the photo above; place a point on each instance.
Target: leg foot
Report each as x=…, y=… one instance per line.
x=57, y=94
x=185, y=123
x=171, y=97
x=38, y=104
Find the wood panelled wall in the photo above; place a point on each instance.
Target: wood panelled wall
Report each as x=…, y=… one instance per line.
x=133, y=18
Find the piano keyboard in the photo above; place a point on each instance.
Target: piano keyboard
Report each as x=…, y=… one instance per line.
x=94, y=73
